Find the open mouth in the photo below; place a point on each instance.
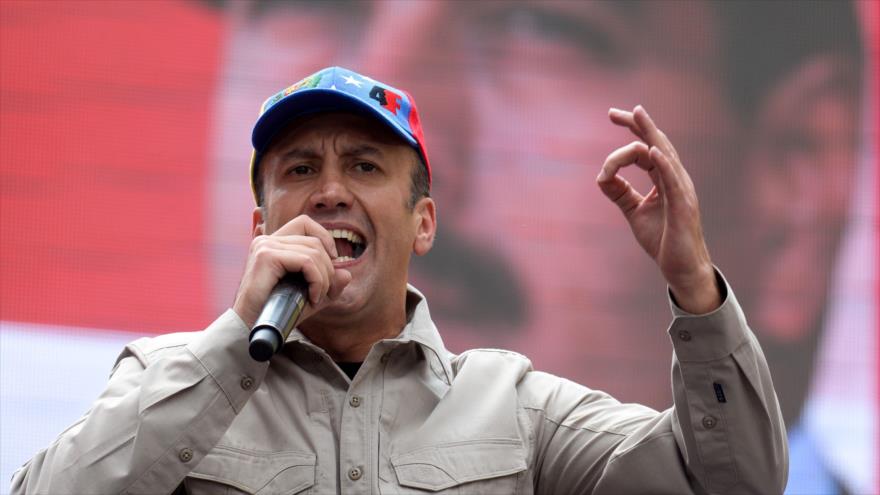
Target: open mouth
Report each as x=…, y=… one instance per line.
x=349, y=245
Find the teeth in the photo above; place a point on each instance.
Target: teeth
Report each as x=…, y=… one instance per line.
x=347, y=235
x=344, y=258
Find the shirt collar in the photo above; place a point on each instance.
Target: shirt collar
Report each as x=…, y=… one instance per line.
x=419, y=329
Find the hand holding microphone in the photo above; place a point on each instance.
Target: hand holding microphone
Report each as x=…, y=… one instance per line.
x=289, y=273
x=280, y=314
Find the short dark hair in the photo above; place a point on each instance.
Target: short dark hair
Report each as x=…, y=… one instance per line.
x=795, y=33
x=420, y=186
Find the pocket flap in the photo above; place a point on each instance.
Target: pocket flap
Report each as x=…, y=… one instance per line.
x=258, y=472
x=440, y=467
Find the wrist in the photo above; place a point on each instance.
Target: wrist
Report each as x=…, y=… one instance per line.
x=247, y=317
x=699, y=294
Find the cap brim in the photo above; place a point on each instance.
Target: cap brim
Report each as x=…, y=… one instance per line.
x=311, y=101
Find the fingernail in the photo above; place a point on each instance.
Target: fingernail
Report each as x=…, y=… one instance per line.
x=601, y=177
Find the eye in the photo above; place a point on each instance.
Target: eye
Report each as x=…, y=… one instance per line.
x=366, y=167
x=540, y=30
x=299, y=170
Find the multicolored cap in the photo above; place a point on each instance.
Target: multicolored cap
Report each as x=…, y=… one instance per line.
x=337, y=89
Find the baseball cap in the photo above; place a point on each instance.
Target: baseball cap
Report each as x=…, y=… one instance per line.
x=331, y=90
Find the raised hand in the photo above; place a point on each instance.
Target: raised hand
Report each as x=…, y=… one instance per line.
x=666, y=220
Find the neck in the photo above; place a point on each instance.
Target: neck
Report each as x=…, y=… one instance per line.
x=350, y=340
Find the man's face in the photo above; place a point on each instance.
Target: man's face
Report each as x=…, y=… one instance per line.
x=348, y=172
x=513, y=98
x=800, y=177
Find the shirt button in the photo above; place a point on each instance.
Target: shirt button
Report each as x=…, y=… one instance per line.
x=185, y=454
x=247, y=382
x=355, y=473
x=709, y=422
x=684, y=335
x=355, y=401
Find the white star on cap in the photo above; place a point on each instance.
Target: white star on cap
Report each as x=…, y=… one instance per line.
x=332, y=86
x=352, y=80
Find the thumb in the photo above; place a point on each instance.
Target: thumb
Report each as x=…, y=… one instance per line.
x=620, y=192
x=341, y=278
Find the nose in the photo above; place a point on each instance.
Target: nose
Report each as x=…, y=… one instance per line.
x=331, y=193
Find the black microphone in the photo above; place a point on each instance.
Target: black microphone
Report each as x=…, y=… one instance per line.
x=279, y=316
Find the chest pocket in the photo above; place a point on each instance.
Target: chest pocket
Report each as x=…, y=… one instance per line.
x=231, y=471
x=480, y=466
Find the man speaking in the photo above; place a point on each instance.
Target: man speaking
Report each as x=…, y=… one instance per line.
x=364, y=398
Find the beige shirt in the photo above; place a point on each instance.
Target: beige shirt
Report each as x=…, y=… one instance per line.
x=195, y=408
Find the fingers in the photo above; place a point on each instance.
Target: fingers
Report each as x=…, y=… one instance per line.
x=274, y=256
x=635, y=152
x=653, y=135
x=305, y=226
x=669, y=174
x=341, y=278
x=625, y=119
x=640, y=123
x=300, y=246
x=618, y=189
x=654, y=161
x=304, y=230
x=666, y=221
x=622, y=193
x=668, y=178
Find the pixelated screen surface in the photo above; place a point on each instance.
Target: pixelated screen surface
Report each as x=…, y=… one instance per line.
x=126, y=209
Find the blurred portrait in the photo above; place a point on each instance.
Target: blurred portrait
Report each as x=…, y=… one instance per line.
x=766, y=103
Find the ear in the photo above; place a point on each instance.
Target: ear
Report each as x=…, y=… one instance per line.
x=257, y=226
x=425, y=217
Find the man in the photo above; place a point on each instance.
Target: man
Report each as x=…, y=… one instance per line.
x=364, y=397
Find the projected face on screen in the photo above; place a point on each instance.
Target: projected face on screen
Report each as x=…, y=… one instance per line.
x=800, y=173
x=136, y=217
x=514, y=97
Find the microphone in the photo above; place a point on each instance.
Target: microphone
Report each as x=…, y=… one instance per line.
x=279, y=316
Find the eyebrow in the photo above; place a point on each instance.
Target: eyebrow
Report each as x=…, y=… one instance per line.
x=297, y=153
x=309, y=153
x=363, y=149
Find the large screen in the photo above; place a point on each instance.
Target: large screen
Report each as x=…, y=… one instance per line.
x=126, y=208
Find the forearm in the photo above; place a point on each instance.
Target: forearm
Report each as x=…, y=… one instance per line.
x=727, y=421
x=162, y=411
x=728, y=439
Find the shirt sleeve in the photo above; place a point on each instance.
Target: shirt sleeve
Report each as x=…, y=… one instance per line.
x=169, y=400
x=724, y=434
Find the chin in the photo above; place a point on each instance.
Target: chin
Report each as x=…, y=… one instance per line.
x=349, y=302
